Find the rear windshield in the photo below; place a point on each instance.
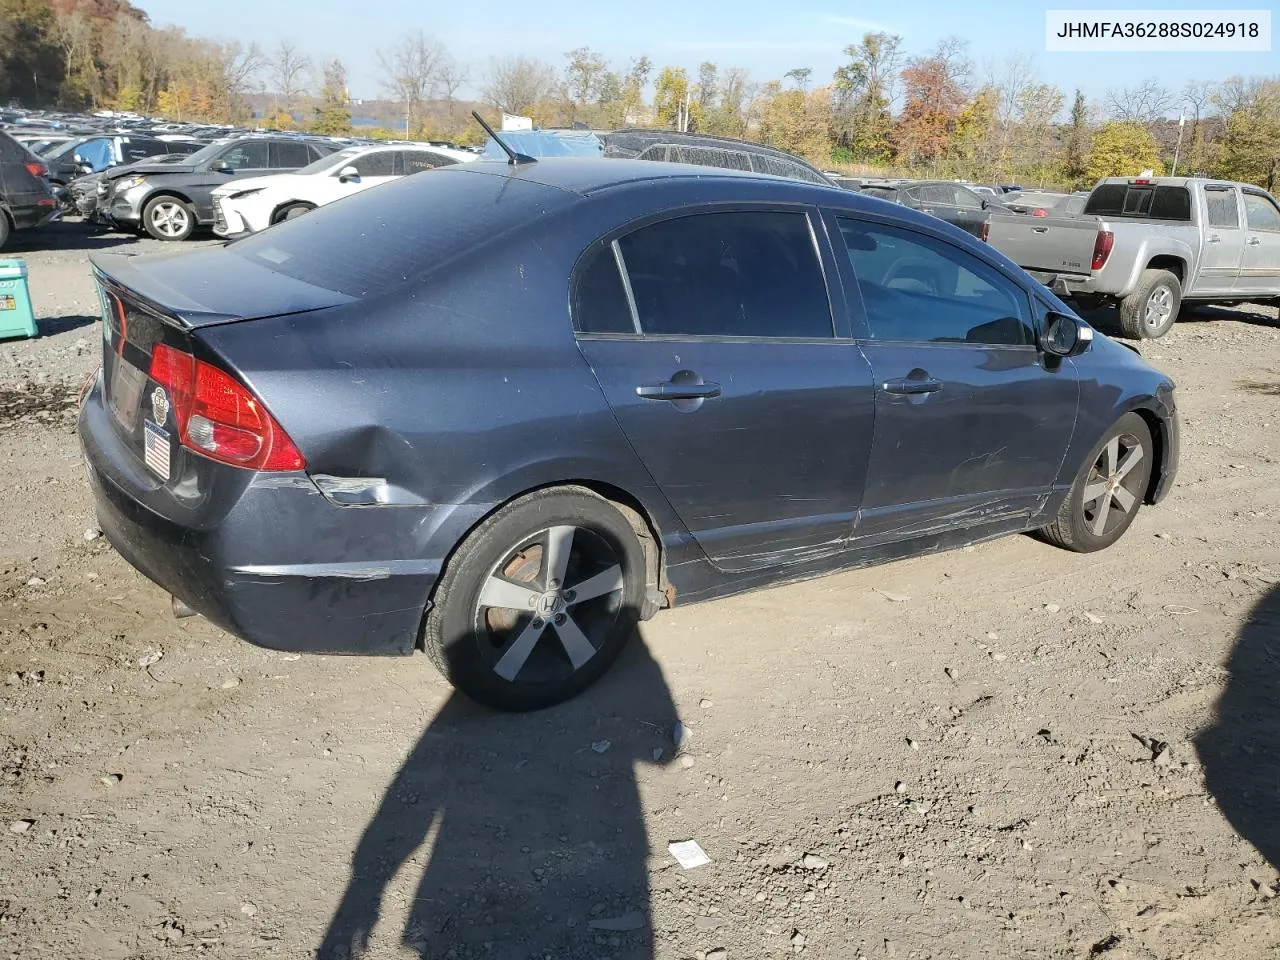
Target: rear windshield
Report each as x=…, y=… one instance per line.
x=1140, y=200
x=371, y=242
x=884, y=193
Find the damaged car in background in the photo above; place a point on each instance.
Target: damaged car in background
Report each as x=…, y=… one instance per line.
x=547, y=398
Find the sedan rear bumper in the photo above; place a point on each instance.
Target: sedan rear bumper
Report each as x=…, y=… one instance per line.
x=276, y=563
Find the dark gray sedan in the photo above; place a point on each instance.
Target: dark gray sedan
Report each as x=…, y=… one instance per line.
x=535, y=404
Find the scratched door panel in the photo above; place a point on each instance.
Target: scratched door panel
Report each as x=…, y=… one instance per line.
x=987, y=445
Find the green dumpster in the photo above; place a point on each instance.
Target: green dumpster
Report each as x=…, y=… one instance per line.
x=16, y=318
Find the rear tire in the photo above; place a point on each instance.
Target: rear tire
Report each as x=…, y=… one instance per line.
x=1108, y=491
x=1152, y=308
x=5, y=229
x=537, y=603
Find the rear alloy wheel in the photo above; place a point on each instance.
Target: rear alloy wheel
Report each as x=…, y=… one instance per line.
x=1153, y=306
x=538, y=602
x=1109, y=490
x=168, y=218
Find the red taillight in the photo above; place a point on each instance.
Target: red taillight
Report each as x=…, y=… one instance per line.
x=1140, y=181
x=218, y=417
x=1102, y=245
x=986, y=231
x=37, y=169
x=1040, y=212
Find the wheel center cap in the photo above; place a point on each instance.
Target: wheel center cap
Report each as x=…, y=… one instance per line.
x=549, y=604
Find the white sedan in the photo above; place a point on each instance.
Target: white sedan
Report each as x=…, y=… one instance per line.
x=247, y=206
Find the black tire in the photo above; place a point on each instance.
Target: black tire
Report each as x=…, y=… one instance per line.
x=1153, y=306
x=169, y=218
x=477, y=645
x=5, y=229
x=292, y=211
x=1076, y=526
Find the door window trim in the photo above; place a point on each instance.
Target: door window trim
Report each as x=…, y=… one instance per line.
x=840, y=334
x=857, y=308
x=1227, y=188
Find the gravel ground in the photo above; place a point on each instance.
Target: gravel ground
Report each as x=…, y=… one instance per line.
x=1005, y=751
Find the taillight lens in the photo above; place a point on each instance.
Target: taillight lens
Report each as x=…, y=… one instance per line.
x=218, y=417
x=1039, y=212
x=1102, y=245
x=37, y=169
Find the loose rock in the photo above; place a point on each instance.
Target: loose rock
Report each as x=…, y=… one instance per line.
x=21, y=826
x=248, y=909
x=600, y=746
x=92, y=534
x=812, y=861
x=230, y=683
x=686, y=761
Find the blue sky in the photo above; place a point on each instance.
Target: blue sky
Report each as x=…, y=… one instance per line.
x=765, y=36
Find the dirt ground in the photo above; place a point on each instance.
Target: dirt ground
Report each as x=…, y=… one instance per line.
x=1006, y=751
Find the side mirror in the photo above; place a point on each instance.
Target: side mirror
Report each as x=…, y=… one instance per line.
x=1065, y=336
x=986, y=204
x=221, y=166
x=348, y=173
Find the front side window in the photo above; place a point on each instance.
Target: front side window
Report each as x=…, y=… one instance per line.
x=1224, y=211
x=919, y=289
x=738, y=274
x=247, y=156
x=1260, y=212
x=966, y=198
x=379, y=164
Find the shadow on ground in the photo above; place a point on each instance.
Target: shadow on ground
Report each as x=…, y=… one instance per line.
x=523, y=840
x=65, y=235
x=49, y=326
x=1240, y=751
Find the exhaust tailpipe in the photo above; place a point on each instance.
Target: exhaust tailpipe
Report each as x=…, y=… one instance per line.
x=180, y=609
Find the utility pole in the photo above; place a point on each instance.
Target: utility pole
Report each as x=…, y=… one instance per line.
x=1182, y=122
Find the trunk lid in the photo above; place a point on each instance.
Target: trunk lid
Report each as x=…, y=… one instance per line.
x=166, y=299
x=1046, y=244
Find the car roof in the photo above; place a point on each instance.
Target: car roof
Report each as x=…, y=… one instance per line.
x=591, y=175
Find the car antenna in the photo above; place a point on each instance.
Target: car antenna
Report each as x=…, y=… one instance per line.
x=513, y=158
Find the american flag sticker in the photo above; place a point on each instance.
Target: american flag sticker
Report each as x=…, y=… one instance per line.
x=156, y=452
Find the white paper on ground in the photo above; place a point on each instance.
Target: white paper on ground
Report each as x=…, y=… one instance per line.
x=689, y=854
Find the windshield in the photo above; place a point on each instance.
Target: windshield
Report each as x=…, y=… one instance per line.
x=329, y=162
x=545, y=143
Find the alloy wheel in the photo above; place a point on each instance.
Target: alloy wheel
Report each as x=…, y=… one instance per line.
x=170, y=219
x=1159, y=308
x=549, y=605
x=1113, y=489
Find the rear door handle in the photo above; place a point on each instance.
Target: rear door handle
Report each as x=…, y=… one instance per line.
x=678, y=391
x=907, y=386
x=1213, y=239
x=1254, y=241
x=1039, y=229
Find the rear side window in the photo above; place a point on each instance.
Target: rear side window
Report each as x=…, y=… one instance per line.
x=919, y=289
x=415, y=161
x=1224, y=209
x=600, y=298
x=11, y=149
x=289, y=156
x=1260, y=212
x=382, y=239
x=380, y=164
x=739, y=274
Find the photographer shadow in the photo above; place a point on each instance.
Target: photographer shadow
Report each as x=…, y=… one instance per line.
x=534, y=829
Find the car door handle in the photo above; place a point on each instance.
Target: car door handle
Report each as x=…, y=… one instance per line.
x=908, y=386
x=1254, y=241
x=1213, y=239
x=678, y=391
x=1039, y=229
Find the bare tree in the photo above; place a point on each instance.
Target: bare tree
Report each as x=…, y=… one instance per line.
x=584, y=74
x=411, y=72
x=1147, y=103
x=289, y=68
x=451, y=76
x=240, y=67
x=515, y=84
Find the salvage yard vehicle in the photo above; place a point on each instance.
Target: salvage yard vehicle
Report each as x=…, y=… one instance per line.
x=545, y=399
x=26, y=200
x=169, y=200
x=944, y=199
x=1151, y=244
x=255, y=203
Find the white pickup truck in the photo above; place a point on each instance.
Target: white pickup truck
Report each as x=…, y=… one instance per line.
x=1151, y=244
